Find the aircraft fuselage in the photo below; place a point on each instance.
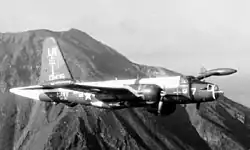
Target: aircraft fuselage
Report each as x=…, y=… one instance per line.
x=180, y=90
x=57, y=85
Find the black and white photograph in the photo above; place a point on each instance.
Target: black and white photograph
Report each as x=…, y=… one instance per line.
x=125, y=75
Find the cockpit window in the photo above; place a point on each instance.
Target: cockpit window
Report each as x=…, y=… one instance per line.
x=209, y=87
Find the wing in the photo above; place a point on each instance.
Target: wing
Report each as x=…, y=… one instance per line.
x=94, y=89
x=99, y=89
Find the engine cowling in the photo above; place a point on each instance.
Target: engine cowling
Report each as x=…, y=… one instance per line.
x=53, y=97
x=151, y=94
x=167, y=109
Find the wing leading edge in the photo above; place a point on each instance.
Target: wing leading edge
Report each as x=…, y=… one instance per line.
x=102, y=89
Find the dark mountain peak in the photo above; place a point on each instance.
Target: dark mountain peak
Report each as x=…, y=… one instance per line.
x=78, y=33
x=28, y=125
x=14, y=37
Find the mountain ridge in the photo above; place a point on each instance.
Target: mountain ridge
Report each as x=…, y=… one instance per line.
x=28, y=125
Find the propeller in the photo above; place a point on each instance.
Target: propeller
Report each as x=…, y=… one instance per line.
x=138, y=78
x=160, y=103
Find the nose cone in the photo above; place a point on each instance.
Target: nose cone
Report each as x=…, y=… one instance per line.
x=204, y=91
x=217, y=92
x=28, y=93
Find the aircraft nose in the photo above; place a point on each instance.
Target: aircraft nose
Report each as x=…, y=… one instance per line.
x=217, y=92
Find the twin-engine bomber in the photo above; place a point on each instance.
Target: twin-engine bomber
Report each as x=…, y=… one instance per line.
x=158, y=94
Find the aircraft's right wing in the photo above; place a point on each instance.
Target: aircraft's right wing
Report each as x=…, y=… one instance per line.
x=104, y=89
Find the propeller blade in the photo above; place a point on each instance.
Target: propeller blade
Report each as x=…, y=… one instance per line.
x=160, y=104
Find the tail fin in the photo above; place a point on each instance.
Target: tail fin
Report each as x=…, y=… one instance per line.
x=203, y=70
x=53, y=65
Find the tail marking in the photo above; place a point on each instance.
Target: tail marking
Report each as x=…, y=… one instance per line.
x=53, y=64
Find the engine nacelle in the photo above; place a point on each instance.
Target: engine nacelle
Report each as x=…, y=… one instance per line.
x=167, y=109
x=53, y=97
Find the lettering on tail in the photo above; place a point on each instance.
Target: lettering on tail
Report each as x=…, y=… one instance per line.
x=53, y=62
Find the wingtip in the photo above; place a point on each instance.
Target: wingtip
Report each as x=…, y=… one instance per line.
x=22, y=91
x=15, y=90
x=12, y=90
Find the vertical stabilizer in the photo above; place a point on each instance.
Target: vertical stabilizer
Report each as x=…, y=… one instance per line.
x=203, y=70
x=53, y=65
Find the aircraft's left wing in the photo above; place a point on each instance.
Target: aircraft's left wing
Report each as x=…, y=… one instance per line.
x=94, y=89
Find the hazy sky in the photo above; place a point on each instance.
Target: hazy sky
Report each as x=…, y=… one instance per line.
x=181, y=35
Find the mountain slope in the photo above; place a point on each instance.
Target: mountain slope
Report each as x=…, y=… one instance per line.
x=28, y=125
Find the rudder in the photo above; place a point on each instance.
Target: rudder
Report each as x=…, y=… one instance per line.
x=203, y=70
x=53, y=64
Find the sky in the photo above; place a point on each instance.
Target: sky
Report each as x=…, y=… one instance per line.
x=181, y=35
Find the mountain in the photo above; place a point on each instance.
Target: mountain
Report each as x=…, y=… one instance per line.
x=25, y=124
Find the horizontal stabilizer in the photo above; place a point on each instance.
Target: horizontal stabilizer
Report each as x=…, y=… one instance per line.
x=216, y=72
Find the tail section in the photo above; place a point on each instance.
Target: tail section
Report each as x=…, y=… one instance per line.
x=203, y=70
x=53, y=65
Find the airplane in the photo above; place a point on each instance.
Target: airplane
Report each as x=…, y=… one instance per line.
x=159, y=95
